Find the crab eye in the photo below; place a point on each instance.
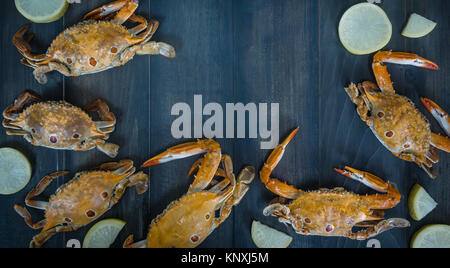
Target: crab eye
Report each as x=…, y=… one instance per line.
x=33, y=131
x=90, y=213
x=76, y=136
x=53, y=139
x=68, y=220
x=195, y=238
x=93, y=62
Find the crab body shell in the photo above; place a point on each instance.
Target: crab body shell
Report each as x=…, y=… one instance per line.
x=185, y=223
x=82, y=200
x=398, y=125
x=328, y=212
x=68, y=124
x=92, y=46
x=60, y=125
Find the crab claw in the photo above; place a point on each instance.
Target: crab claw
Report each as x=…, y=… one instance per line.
x=438, y=113
x=404, y=58
x=183, y=151
x=365, y=178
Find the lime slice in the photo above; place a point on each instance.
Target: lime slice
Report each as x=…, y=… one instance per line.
x=103, y=233
x=432, y=236
x=15, y=171
x=364, y=28
x=418, y=26
x=420, y=203
x=266, y=237
x=42, y=11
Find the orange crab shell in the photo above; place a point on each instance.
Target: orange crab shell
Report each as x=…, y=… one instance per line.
x=83, y=199
x=170, y=229
x=399, y=126
x=62, y=122
x=329, y=212
x=92, y=46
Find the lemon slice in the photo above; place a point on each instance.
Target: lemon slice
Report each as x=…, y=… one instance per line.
x=265, y=237
x=42, y=11
x=418, y=26
x=432, y=236
x=420, y=203
x=364, y=28
x=103, y=233
x=15, y=171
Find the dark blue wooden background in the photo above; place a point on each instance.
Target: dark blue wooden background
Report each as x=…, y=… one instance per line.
x=260, y=51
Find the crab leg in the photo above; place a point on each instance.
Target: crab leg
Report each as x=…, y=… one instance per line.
x=44, y=236
x=109, y=149
x=23, y=100
x=380, y=70
x=23, y=212
x=124, y=9
x=438, y=113
x=440, y=142
x=208, y=167
x=274, y=185
x=20, y=40
x=101, y=107
x=381, y=227
x=40, y=72
x=42, y=185
x=157, y=48
x=375, y=201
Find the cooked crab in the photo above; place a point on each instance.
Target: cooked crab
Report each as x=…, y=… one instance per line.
x=394, y=120
x=60, y=125
x=82, y=200
x=98, y=43
x=188, y=221
x=331, y=212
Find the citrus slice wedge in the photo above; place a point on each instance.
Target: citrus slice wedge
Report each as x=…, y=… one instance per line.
x=418, y=26
x=364, y=28
x=432, y=236
x=15, y=171
x=103, y=233
x=40, y=11
x=266, y=237
x=420, y=203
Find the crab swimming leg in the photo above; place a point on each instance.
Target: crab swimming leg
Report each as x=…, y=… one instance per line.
x=380, y=70
x=390, y=200
x=108, y=119
x=26, y=98
x=20, y=41
x=274, y=185
x=381, y=227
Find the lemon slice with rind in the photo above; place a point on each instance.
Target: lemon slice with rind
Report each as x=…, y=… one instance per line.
x=432, y=236
x=42, y=11
x=364, y=28
x=103, y=233
x=418, y=26
x=15, y=171
x=266, y=237
x=420, y=203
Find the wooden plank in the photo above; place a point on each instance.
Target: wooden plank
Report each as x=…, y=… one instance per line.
x=17, y=78
x=201, y=31
x=276, y=61
x=433, y=85
x=126, y=89
x=344, y=138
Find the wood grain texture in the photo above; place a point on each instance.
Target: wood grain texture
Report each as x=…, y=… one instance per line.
x=254, y=51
